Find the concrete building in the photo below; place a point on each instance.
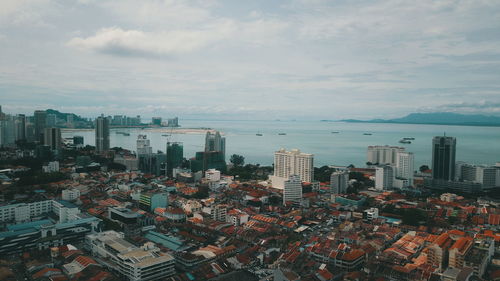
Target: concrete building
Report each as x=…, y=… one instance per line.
x=102, y=134
x=20, y=127
x=219, y=212
x=339, y=182
x=405, y=166
x=215, y=142
x=383, y=154
x=384, y=177
x=287, y=163
x=151, y=201
x=51, y=167
x=443, y=158
x=175, y=156
x=130, y=162
x=134, y=263
x=40, y=117
x=70, y=194
x=143, y=145
x=292, y=191
x=52, y=138
x=212, y=175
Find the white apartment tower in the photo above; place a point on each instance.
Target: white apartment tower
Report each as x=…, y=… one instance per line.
x=292, y=190
x=287, y=163
x=404, y=166
x=383, y=154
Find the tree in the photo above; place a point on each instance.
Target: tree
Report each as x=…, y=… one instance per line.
x=237, y=160
x=423, y=168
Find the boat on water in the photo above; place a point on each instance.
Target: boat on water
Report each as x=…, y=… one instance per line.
x=259, y=134
x=367, y=134
x=166, y=135
x=404, y=141
x=282, y=134
x=123, y=133
x=335, y=132
x=409, y=138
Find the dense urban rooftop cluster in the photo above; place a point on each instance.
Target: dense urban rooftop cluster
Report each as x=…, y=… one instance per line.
x=70, y=212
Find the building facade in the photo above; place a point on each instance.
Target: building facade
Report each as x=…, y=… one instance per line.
x=443, y=158
x=102, y=134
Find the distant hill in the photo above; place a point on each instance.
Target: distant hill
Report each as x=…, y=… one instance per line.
x=438, y=118
x=63, y=116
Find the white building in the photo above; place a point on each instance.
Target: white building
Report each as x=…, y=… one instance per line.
x=70, y=194
x=237, y=217
x=135, y=263
x=292, y=190
x=405, y=166
x=26, y=211
x=383, y=154
x=143, y=145
x=212, y=175
x=287, y=163
x=219, y=212
x=384, y=177
x=51, y=167
x=339, y=182
x=370, y=214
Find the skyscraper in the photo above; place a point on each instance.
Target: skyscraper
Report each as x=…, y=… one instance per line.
x=175, y=155
x=443, y=158
x=292, y=191
x=40, y=124
x=384, y=177
x=101, y=134
x=215, y=142
x=52, y=138
x=20, y=127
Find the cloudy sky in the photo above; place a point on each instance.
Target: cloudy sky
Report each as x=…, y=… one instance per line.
x=259, y=59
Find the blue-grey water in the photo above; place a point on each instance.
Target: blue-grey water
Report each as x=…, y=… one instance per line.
x=480, y=145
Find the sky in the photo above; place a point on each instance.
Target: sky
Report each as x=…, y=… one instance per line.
x=259, y=59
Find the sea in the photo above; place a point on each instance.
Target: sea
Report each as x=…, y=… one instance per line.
x=332, y=143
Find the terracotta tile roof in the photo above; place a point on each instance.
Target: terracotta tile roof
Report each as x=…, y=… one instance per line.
x=353, y=255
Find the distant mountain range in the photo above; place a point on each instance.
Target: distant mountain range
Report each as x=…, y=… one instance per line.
x=439, y=118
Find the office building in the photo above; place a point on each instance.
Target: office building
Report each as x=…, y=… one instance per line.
x=292, y=191
x=384, y=176
x=156, y=121
x=52, y=138
x=175, y=156
x=215, y=142
x=134, y=263
x=129, y=220
x=7, y=130
x=405, y=167
x=143, y=145
x=487, y=176
x=20, y=127
x=339, y=182
x=205, y=160
x=102, y=134
x=51, y=120
x=40, y=124
x=443, y=158
x=383, y=154
x=287, y=163
x=150, y=201
x=154, y=163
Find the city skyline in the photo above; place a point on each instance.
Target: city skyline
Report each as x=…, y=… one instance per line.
x=218, y=59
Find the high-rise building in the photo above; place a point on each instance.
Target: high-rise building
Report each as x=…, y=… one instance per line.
x=383, y=154
x=102, y=134
x=292, y=191
x=215, y=142
x=175, y=156
x=7, y=130
x=443, y=158
x=287, y=163
x=51, y=120
x=156, y=121
x=405, y=166
x=20, y=127
x=40, y=124
x=52, y=138
x=384, y=176
x=339, y=182
x=143, y=145
x=205, y=160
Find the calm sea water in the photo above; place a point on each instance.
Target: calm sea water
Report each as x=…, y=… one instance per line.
x=480, y=145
